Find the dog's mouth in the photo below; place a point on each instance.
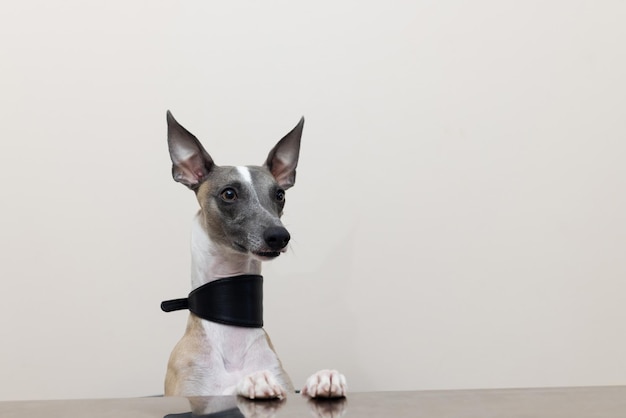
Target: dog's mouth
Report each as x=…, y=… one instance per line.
x=268, y=255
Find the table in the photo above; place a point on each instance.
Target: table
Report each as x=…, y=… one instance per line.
x=584, y=402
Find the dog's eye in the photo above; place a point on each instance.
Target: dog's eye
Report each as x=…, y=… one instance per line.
x=280, y=195
x=229, y=195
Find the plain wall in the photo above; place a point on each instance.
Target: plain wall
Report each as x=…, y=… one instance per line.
x=458, y=221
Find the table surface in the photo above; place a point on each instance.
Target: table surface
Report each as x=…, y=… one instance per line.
x=587, y=402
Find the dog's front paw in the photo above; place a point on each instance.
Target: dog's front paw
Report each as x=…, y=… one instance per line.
x=260, y=385
x=325, y=384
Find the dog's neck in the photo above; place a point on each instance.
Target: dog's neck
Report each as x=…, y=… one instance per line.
x=210, y=262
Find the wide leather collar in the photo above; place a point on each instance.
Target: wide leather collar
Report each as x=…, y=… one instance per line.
x=236, y=300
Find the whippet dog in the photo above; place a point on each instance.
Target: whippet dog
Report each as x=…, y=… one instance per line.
x=225, y=350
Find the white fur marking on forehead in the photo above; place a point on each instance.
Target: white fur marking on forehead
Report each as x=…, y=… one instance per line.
x=245, y=173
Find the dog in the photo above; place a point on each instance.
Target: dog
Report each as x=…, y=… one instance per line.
x=225, y=350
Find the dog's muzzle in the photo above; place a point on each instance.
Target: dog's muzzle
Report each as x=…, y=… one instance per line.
x=236, y=300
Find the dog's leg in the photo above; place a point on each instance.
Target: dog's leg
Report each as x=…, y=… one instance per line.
x=270, y=381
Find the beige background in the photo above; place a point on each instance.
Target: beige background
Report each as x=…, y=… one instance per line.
x=458, y=219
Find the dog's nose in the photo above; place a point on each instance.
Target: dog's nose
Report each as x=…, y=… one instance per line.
x=276, y=237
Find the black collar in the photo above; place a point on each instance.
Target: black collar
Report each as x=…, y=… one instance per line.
x=236, y=300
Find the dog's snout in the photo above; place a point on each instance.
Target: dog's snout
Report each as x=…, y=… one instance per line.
x=276, y=237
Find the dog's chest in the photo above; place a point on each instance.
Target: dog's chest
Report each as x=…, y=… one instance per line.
x=236, y=347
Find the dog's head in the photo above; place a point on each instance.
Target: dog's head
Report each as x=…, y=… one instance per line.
x=241, y=206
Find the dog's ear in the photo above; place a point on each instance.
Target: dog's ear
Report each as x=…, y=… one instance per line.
x=190, y=162
x=283, y=158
